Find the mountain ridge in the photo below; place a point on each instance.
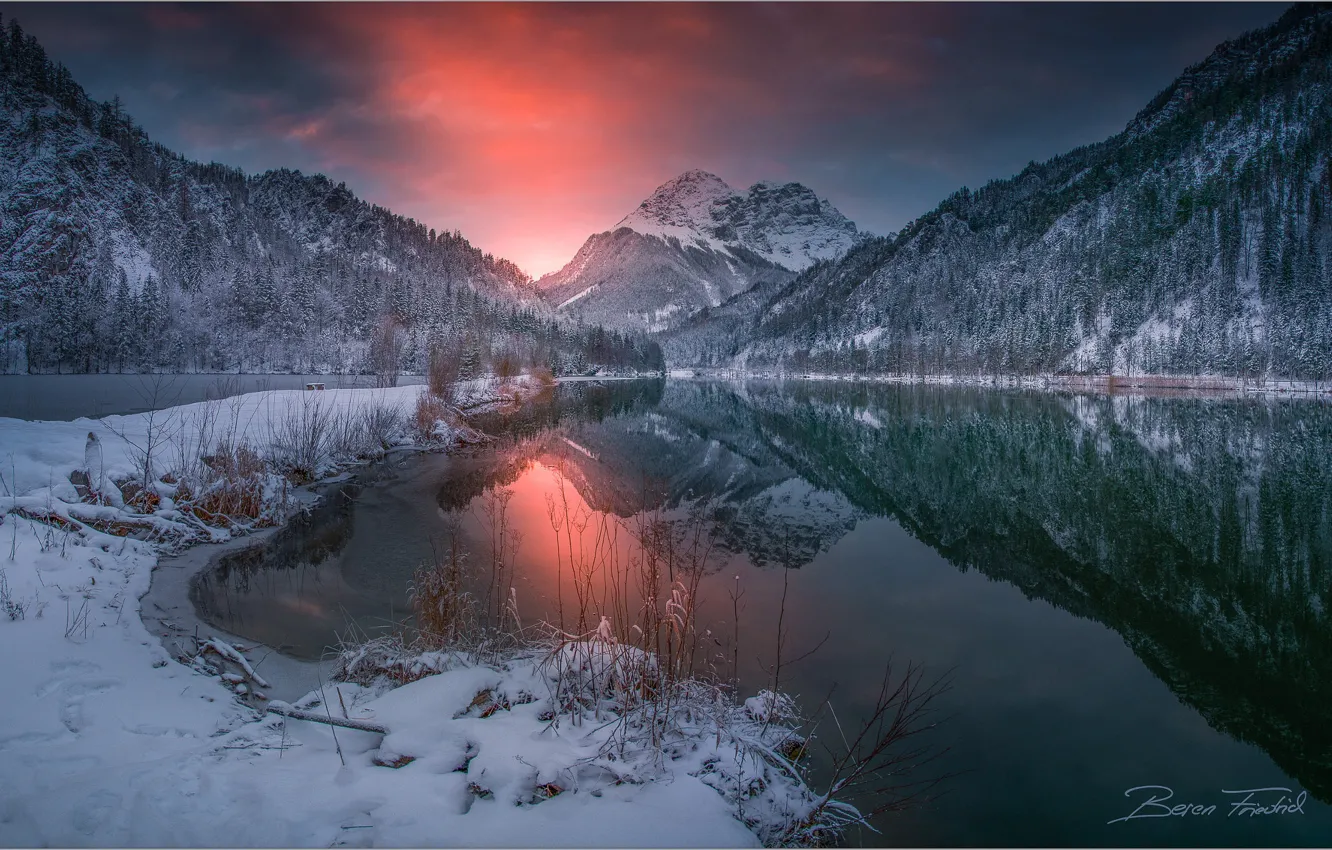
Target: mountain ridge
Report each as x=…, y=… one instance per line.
x=1195, y=241
x=693, y=243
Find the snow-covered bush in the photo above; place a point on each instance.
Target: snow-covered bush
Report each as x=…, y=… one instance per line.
x=387, y=661
x=366, y=432
x=300, y=437
x=431, y=413
x=233, y=485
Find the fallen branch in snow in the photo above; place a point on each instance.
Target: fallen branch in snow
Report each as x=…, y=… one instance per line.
x=230, y=653
x=47, y=518
x=283, y=709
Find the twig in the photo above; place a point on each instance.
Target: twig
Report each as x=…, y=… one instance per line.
x=324, y=699
x=283, y=709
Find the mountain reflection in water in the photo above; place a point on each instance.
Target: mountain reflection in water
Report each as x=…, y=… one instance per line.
x=1189, y=538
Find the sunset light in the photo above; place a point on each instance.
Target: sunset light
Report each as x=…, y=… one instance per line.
x=530, y=126
x=657, y=424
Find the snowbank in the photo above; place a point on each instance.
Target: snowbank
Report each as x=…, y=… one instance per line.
x=37, y=457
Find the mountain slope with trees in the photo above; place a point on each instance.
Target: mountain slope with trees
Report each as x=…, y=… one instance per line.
x=1196, y=241
x=117, y=254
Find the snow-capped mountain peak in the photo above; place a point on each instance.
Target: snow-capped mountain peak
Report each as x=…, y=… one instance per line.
x=682, y=207
x=784, y=223
x=694, y=243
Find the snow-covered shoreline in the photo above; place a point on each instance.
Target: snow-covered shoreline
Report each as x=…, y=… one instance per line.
x=110, y=740
x=168, y=614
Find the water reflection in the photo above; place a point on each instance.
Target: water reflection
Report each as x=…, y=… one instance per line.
x=1190, y=540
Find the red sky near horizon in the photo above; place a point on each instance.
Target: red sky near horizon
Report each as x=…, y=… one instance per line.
x=529, y=127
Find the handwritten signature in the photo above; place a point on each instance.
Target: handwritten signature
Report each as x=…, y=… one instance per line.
x=1249, y=802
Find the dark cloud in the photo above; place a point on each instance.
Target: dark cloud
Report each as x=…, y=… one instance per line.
x=529, y=126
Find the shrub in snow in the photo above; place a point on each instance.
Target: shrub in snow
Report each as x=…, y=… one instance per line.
x=431, y=417
x=387, y=661
x=382, y=426
x=12, y=608
x=443, y=371
x=365, y=432
x=770, y=707
x=445, y=611
x=234, y=486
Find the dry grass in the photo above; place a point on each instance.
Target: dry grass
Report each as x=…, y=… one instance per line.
x=14, y=609
x=430, y=409
x=370, y=662
x=231, y=489
x=445, y=612
x=137, y=497
x=631, y=644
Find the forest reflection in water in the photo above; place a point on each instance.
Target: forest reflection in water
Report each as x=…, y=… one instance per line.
x=1127, y=591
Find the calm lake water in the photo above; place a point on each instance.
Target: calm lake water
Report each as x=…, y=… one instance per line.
x=68, y=397
x=1124, y=591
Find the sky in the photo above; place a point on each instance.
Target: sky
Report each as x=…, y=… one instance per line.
x=529, y=127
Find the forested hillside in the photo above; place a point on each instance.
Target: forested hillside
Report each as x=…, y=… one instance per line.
x=1196, y=241
x=117, y=254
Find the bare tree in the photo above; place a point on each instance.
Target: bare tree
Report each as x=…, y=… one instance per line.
x=386, y=351
x=442, y=370
x=159, y=394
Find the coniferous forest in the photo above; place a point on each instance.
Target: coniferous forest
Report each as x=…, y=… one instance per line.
x=117, y=254
x=1196, y=241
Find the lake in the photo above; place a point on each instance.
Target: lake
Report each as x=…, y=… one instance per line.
x=1122, y=591
x=68, y=397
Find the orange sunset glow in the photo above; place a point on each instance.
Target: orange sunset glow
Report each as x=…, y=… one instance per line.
x=563, y=120
x=528, y=127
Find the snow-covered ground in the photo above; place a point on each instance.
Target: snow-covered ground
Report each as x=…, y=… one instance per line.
x=106, y=739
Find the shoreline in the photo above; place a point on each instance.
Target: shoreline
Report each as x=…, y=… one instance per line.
x=111, y=726
x=169, y=615
x=168, y=612
x=1151, y=386
x=95, y=396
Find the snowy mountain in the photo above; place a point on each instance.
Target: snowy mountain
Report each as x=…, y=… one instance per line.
x=117, y=254
x=693, y=244
x=784, y=223
x=1197, y=240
